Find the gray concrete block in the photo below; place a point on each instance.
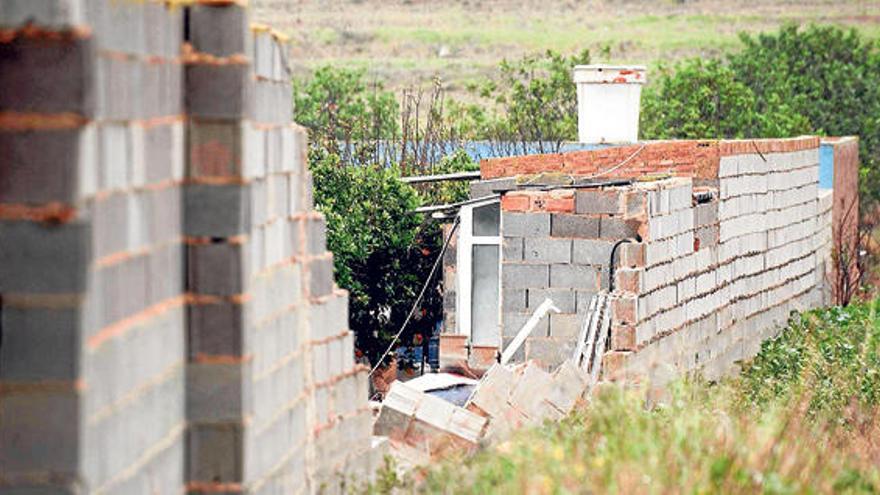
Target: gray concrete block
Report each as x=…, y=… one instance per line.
x=512, y=249
x=512, y=300
x=706, y=214
x=217, y=392
x=320, y=277
x=215, y=453
x=617, y=228
x=109, y=225
x=220, y=30
x=516, y=276
x=39, y=344
x=43, y=258
x=577, y=226
x=574, y=276
x=597, y=202
x=316, y=236
x=217, y=268
x=565, y=325
x=216, y=211
x=582, y=300
x=483, y=188
x=512, y=323
x=550, y=352
x=41, y=167
x=215, y=329
x=525, y=224
x=32, y=71
x=592, y=252
x=218, y=91
x=547, y=250
x=158, y=153
x=40, y=432
x=564, y=299
x=707, y=236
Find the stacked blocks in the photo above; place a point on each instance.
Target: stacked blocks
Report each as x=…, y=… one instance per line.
x=729, y=239
x=92, y=352
x=168, y=314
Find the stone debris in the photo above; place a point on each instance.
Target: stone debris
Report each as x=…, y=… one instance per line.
x=421, y=427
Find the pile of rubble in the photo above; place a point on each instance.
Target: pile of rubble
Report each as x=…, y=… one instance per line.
x=422, y=427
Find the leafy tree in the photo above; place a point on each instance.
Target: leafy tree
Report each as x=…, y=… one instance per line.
x=374, y=236
x=344, y=114
x=828, y=75
x=704, y=99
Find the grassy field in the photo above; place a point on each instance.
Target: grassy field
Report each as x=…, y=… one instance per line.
x=408, y=42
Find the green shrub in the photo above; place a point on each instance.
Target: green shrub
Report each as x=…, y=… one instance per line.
x=706, y=100
x=831, y=356
x=820, y=79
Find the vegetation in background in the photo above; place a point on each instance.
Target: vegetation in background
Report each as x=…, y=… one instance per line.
x=820, y=80
x=803, y=418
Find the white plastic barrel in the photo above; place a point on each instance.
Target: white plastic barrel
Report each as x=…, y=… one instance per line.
x=609, y=98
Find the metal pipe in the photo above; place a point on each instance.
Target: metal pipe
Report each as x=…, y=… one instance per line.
x=418, y=179
x=611, y=266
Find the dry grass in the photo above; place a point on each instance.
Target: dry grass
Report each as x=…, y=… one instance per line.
x=406, y=42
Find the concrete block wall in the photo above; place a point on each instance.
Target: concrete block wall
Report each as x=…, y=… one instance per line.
x=557, y=245
x=169, y=317
x=91, y=279
x=732, y=236
x=701, y=302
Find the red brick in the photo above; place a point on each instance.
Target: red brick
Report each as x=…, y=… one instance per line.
x=623, y=338
x=614, y=364
x=515, y=201
x=623, y=310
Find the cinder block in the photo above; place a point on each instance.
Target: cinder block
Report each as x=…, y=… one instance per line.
x=577, y=226
x=516, y=276
x=483, y=188
x=215, y=148
x=42, y=258
x=512, y=249
x=47, y=166
x=618, y=228
x=583, y=299
x=597, y=202
x=218, y=91
x=215, y=329
x=706, y=214
x=565, y=325
x=316, y=236
x=39, y=344
x=216, y=392
x=32, y=70
x=592, y=252
x=512, y=323
x=547, y=250
x=574, y=277
x=513, y=299
x=217, y=268
x=216, y=211
x=320, y=275
x=563, y=299
x=215, y=453
x=525, y=224
x=220, y=30
x=40, y=432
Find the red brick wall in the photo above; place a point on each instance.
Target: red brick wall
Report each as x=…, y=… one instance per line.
x=679, y=158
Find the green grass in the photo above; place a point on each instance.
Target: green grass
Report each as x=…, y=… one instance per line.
x=803, y=418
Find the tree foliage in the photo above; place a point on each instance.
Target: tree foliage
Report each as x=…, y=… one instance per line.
x=815, y=80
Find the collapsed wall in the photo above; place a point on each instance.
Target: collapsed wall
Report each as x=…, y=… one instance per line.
x=717, y=241
x=167, y=308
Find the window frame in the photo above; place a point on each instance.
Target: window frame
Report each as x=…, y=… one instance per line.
x=464, y=261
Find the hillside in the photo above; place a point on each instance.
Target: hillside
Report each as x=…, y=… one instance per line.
x=401, y=42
